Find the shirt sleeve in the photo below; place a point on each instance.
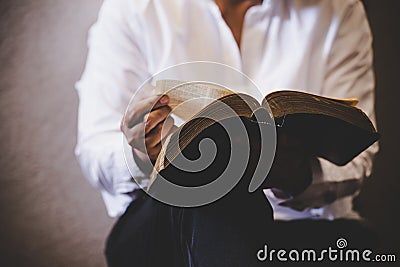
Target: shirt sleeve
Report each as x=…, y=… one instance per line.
x=115, y=69
x=350, y=73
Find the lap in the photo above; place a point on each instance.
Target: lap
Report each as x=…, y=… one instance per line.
x=142, y=236
x=228, y=232
x=224, y=233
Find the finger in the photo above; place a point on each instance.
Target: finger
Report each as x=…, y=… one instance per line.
x=136, y=135
x=155, y=117
x=136, y=111
x=160, y=131
x=154, y=152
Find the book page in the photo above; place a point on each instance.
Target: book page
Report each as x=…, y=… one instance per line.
x=346, y=101
x=189, y=98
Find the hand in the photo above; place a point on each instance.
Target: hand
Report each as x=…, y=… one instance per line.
x=144, y=123
x=291, y=169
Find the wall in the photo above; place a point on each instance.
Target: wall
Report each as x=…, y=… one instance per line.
x=380, y=198
x=50, y=216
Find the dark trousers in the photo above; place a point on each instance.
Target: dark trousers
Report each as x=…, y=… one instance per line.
x=228, y=232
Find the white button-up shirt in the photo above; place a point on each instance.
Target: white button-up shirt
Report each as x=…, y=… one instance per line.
x=322, y=47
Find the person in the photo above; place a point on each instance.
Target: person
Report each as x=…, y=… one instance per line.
x=322, y=47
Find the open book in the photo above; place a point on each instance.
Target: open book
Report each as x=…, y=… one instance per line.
x=333, y=129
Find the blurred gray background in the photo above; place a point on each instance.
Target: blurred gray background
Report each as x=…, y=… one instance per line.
x=49, y=215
